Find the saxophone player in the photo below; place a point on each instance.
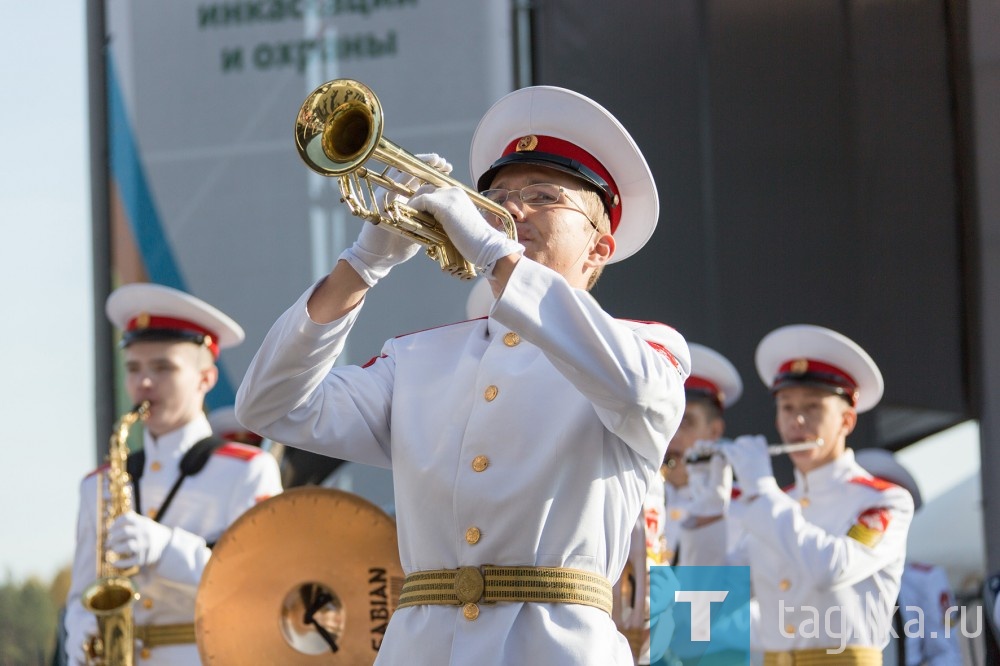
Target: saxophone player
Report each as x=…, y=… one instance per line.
x=187, y=486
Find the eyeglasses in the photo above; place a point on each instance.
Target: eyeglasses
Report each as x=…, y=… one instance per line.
x=539, y=194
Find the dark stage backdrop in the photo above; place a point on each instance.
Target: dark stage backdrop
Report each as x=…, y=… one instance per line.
x=806, y=163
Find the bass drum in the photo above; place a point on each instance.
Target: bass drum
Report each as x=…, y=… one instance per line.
x=372, y=483
x=307, y=577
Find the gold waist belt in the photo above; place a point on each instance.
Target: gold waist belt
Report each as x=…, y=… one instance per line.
x=155, y=635
x=491, y=584
x=853, y=655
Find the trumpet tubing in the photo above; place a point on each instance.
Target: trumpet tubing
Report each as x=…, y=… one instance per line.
x=339, y=129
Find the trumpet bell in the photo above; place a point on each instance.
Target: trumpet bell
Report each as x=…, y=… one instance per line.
x=338, y=130
x=339, y=127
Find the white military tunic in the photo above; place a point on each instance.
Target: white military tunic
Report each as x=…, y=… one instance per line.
x=678, y=504
x=528, y=438
x=234, y=479
x=929, y=631
x=803, y=564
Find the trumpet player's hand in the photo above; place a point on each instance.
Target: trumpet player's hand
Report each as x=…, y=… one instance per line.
x=751, y=463
x=137, y=540
x=710, y=483
x=410, y=181
x=471, y=234
x=377, y=249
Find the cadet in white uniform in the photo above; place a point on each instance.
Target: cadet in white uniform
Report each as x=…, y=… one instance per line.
x=526, y=440
x=171, y=341
x=713, y=386
x=826, y=557
x=928, y=634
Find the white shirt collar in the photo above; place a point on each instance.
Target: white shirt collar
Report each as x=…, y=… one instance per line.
x=174, y=444
x=837, y=471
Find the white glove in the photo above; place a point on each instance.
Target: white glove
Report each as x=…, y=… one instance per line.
x=751, y=463
x=471, y=234
x=79, y=654
x=409, y=181
x=137, y=540
x=710, y=483
x=377, y=249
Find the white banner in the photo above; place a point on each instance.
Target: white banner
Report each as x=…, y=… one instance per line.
x=206, y=178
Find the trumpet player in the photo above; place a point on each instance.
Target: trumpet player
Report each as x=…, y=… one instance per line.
x=187, y=487
x=524, y=441
x=826, y=556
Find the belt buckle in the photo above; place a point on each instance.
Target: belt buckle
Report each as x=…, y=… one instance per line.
x=469, y=585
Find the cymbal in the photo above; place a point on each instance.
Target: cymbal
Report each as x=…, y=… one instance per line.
x=310, y=576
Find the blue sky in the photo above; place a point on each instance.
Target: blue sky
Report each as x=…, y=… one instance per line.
x=45, y=276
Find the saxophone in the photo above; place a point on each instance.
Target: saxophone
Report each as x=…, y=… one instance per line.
x=111, y=596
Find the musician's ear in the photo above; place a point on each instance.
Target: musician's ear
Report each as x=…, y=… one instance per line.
x=716, y=427
x=849, y=419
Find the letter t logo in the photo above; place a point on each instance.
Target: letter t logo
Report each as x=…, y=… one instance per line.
x=701, y=610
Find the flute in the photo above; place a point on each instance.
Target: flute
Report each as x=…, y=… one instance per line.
x=773, y=449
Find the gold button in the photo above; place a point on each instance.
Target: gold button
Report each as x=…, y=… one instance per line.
x=470, y=611
x=804, y=502
x=152, y=513
x=144, y=653
x=789, y=629
x=491, y=393
x=668, y=556
x=472, y=535
x=784, y=584
x=147, y=603
x=676, y=514
x=156, y=466
x=512, y=339
x=479, y=463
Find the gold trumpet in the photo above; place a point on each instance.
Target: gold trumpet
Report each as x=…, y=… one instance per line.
x=339, y=129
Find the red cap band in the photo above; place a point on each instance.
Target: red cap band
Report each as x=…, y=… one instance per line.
x=810, y=370
x=571, y=151
x=703, y=385
x=152, y=322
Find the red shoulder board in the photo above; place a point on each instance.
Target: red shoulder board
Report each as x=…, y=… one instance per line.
x=98, y=470
x=666, y=352
x=874, y=482
x=735, y=493
x=644, y=321
x=372, y=360
x=241, y=451
x=656, y=345
x=920, y=566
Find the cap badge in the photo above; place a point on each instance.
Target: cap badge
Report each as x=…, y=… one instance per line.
x=529, y=142
x=799, y=366
x=207, y=341
x=142, y=321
